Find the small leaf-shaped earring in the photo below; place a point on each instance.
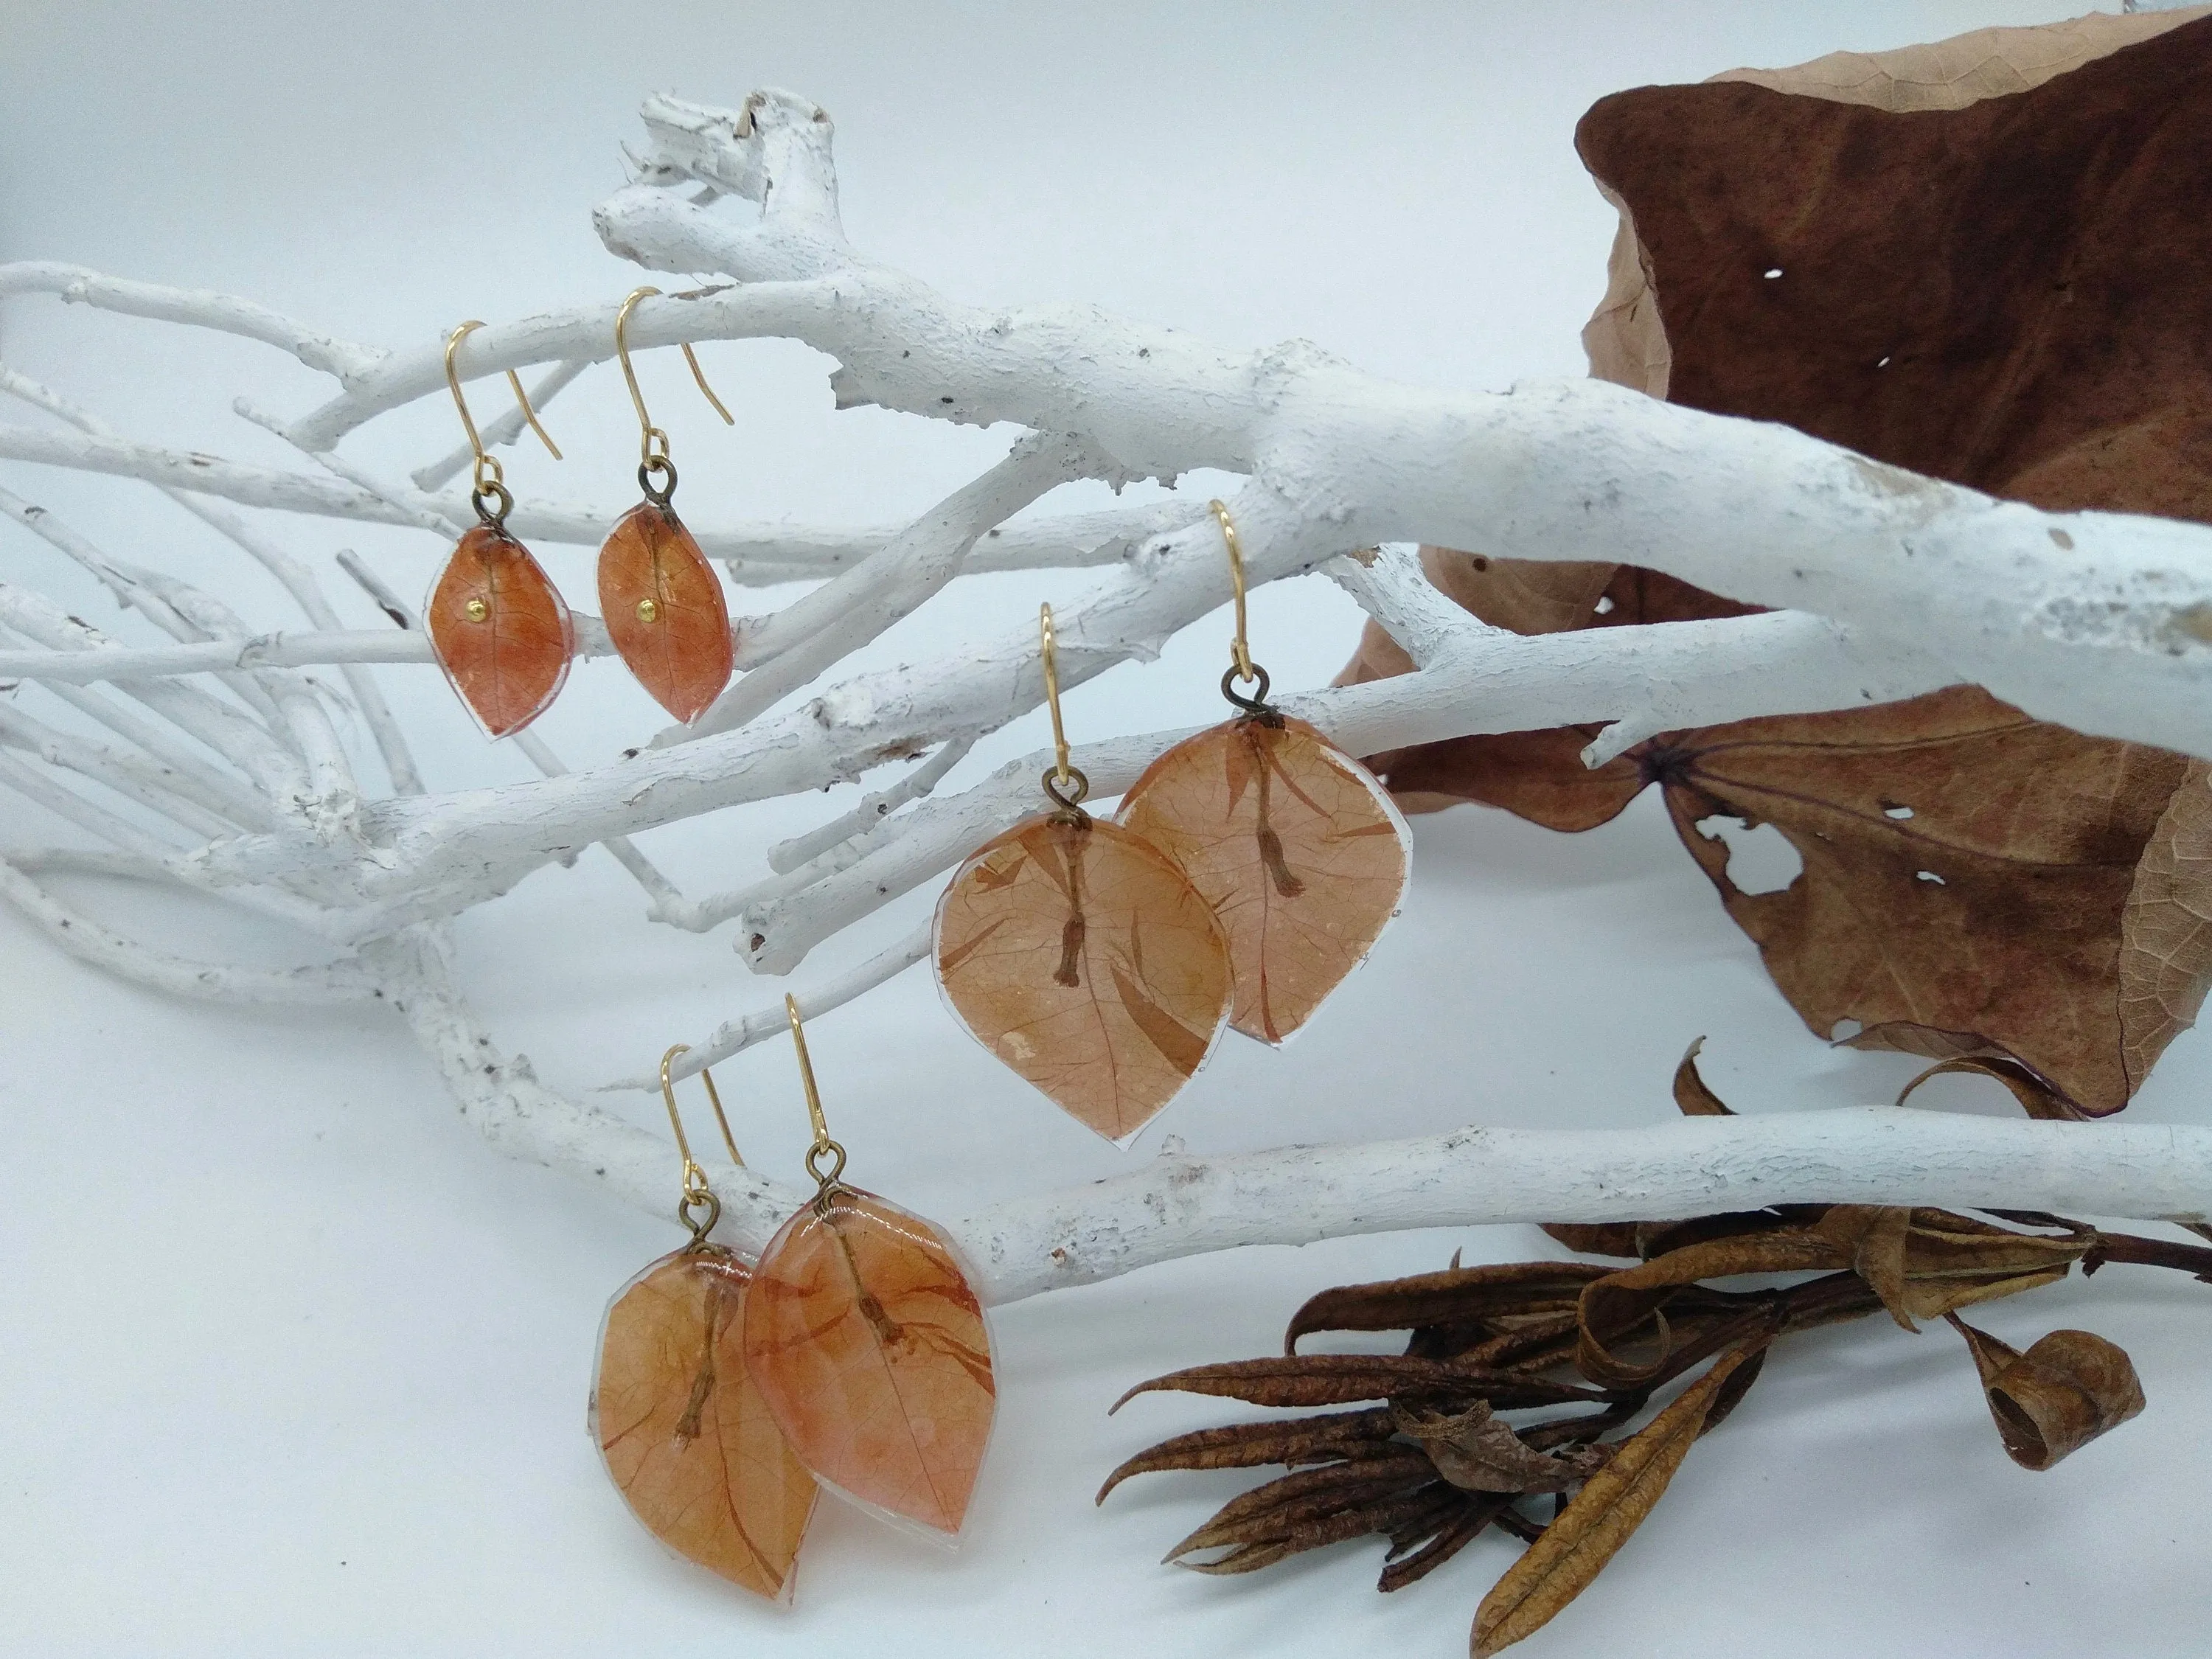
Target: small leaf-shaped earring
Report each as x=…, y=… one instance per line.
x=1081, y=955
x=661, y=599
x=868, y=1343
x=501, y=630
x=680, y=1419
x=1302, y=854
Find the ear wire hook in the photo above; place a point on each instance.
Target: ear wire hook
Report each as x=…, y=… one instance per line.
x=1066, y=784
x=652, y=459
x=1242, y=670
x=490, y=478
x=822, y=1146
x=697, y=1194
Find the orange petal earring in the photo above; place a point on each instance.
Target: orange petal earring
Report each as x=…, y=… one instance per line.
x=1302, y=854
x=498, y=624
x=1081, y=955
x=661, y=599
x=866, y=1339
x=679, y=1418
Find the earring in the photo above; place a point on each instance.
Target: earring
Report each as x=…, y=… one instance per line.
x=680, y=1419
x=867, y=1341
x=496, y=621
x=661, y=599
x=1302, y=854
x=1081, y=955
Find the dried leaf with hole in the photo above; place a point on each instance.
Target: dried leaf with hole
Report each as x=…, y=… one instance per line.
x=866, y=1339
x=2068, y=1388
x=665, y=611
x=501, y=631
x=1297, y=848
x=2075, y=382
x=686, y=1435
x=1083, y=957
x=1613, y=1503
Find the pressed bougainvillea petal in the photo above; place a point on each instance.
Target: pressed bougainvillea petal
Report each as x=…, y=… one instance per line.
x=1296, y=846
x=868, y=1343
x=685, y=1432
x=1081, y=956
x=501, y=633
x=665, y=611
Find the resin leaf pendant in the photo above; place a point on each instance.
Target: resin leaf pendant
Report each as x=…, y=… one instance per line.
x=1302, y=854
x=868, y=1345
x=665, y=611
x=684, y=1429
x=1084, y=959
x=501, y=631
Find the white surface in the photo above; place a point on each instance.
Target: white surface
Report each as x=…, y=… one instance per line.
x=313, y=1380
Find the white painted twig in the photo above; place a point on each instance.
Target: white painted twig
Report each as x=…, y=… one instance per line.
x=736, y=1035
x=318, y=984
x=786, y=856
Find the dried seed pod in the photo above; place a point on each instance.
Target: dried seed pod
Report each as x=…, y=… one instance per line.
x=665, y=611
x=1302, y=854
x=867, y=1341
x=1084, y=959
x=501, y=630
x=683, y=1428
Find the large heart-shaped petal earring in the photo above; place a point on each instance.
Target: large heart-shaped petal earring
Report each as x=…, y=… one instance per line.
x=1302, y=854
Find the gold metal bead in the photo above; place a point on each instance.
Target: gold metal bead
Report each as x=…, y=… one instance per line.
x=476, y=610
x=647, y=611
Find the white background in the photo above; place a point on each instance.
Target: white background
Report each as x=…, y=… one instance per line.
x=290, y=1363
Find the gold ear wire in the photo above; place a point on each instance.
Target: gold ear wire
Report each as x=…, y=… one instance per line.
x=490, y=477
x=697, y=1194
x=822, y=1146
x=1066, y=784
x=1240, y=651
x=655, y=459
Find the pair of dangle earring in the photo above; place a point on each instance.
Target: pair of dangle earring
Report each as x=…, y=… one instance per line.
x=1250, y=869
x=499, y=626
x=855, y=1356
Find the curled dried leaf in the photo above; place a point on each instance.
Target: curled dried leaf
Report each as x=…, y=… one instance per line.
x=1617, y=1306
x=1454, y=1296
x=1083, y=957
x=1246, y=1445
x=1337, y=1379
x=2068, y=1388
x=1477, y=1453
x=1613, y=1503
x=2030, y=1088
x=1692, y=1094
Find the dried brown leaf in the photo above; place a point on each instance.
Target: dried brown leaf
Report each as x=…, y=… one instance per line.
x=1455, y=1520
x=1246, y=1445
x=2166, y=931
x=1283, y=1508
x=1995, y=921
x=1598, y=1238
x=1476, y=1452
x=1615, y=1307
x=1337, y=1379
x=1691, y=1095
x=2068, y=1388
x=1613, y=1503
x=2036, y=1098
x=1453, y=1296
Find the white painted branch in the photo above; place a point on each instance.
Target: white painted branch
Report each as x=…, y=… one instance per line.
x=318, y=984
x=138, y=776
x=196, y=308
x=736, y=1035
x=307, y=649
x=786, y=856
